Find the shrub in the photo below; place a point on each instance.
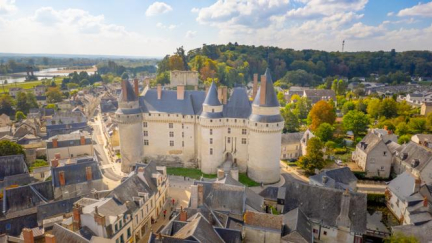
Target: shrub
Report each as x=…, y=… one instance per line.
x=340, y=150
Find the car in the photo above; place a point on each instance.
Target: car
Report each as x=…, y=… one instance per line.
x=339, y=162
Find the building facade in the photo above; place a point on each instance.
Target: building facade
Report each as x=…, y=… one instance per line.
x=198, y=129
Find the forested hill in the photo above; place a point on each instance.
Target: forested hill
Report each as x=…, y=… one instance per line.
x=235, y=64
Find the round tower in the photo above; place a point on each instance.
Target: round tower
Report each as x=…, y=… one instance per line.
x=265, y=128
x=129, y=119
x=212, y=135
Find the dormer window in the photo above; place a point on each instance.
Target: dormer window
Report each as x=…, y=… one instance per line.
x=212, y=110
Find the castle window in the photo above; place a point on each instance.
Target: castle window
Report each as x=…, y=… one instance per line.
x=266, y=125
x=229, y=130
x=146, y=142
x=212, y=110
x=243, y=140
x=145, y=124
x=211, y=120
x=211, y=151
x=229, y=140
x=168, y=115
x=171, y=134
x=211, y=140
x=149, y=114
x=170, y=125
x=145, y=133
x=235, y=120
x=182, y=134
x=172, y=143
x=244, y=132
x=211, y=131
x=182, y=126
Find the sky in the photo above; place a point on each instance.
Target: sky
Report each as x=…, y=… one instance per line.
x=157, y=28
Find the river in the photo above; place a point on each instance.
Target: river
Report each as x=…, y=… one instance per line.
x=43, y=73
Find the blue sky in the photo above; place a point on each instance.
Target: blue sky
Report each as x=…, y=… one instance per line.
x=156, y=28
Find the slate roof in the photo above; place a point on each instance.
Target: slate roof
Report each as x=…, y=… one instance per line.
x=369, y=142
x=270, y=96
x=414, y=152
x=298, y=227
x=292, y=138
x=270, y=193
x=263, y=220
x=336, y=178
x=324, y=204
x=12, y=165
x=317, y=94
x=238, y=105
x=422, y=232
x=69, y=140
x=64, y=235
x=200, y=230
x=76, y=173
x=403, y=185
x=130, y=93
x=212, y=96
x=424, y=137
x=55, y=208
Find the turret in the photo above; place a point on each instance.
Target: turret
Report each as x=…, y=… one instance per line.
x=129, y=119
x=265, y=127
x=212, y=135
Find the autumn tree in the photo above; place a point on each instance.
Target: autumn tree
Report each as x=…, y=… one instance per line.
x=54, y=95
x=399, y=237
x=176, y=63
x=321, y=112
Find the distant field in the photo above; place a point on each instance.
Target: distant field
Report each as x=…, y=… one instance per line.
x=26, y=85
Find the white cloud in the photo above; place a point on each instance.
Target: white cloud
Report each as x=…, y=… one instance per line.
x=7, y=6
x=390, y=14
x=424, y=10
x=162, y=26
x=158, y=8
x=326, y=7
x=195, y=10
x=190, y=34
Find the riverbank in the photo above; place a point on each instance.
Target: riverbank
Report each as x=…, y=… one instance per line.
x=27, y=85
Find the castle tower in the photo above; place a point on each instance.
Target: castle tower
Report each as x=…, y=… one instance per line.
x=265, y=127
x=212, y=133
x=129, y=119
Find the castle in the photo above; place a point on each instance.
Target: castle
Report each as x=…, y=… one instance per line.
x=202, y=128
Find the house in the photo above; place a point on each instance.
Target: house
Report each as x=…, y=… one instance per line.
x=291, y=145
x=5, y=120
x=408, y=200
x=75, y=144
x=27, y=126
x=75, y=179
x=5, y=130
x=65, y=122
x=373, y=156
x=422, y=232
x=385, y=134
x=108, y=104
x=298, y=228
x=423, y=139
x=274, y=196
x=261, y=227
x=416, y=159
x=33, y=146
x=335, y=215
x=12, y=165
x=425, y=108
x=341, y=178
x=304, y=140
x=39, y=90
x=315, y=95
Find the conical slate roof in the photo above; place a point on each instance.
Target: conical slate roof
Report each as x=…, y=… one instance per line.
x=212, y=96
x=130, y=92
x=270, y=97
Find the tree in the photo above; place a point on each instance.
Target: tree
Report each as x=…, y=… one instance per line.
x=19, y=116
x=355, y=121
x=291, y=121
x=85, y=82
x=348, y=106
x=54, y=95
x=176, y=63
x=417, y=125
x=404, y=139
x=402, y=129
x=281, y=98
x=373, y=108
x=399, y=237
x=25, y=102
x=302, y=107
x=6, y=103
x=320, y=113
x=314, y=158
x=324, y=132
x=124, y=76
x=10, y=148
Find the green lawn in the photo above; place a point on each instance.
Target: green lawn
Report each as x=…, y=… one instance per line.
x=38, y=163
x=245, y=180
x=27, y=85
x=188, y=172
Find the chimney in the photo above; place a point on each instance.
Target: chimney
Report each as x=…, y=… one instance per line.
x=124, y=90
x=62, y=179
x=255, y=85
x=425, y=202
x=54, y=163
x=224, y=94
x=417, y=184
x=82, y=140
x=55, y=142
x=200, y=194
x=183, y=214
x=57, y=156
x=263, y=90
x=220, y=96
x=100, y=219
x=89, y=175
x=49, y=238
x=136, y=88
x=180, y=92
x=159, y=91
x=28, y=235
x=76, y=217
x=343, y=219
